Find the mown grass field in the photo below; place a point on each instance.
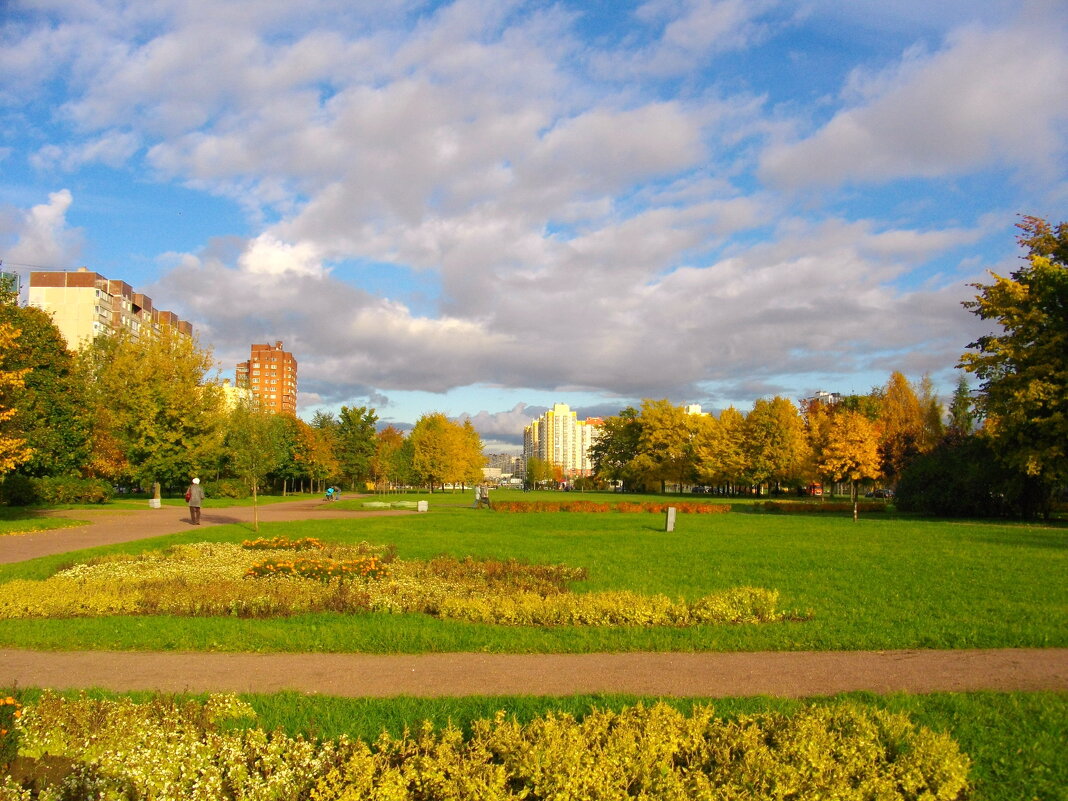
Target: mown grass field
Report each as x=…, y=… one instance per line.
x=880, y=583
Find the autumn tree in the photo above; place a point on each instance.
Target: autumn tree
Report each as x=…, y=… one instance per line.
x=665, y=450
x=851, y=451
x=902, y=422
x=387, y=465
x=50, y=404
x=441, y=451
x=775, y=443
x=13, y=449
x=1023, y=364
x=315, y=454
x=153, y=406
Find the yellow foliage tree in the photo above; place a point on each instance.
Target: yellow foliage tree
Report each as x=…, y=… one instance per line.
x=13, y=450
x=850, y=451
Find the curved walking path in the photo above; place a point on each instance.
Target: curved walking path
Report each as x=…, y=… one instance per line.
x=787, y=674
x=105, y=527
x=709, y=675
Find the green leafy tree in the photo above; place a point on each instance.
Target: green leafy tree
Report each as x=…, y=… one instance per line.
x=538, y=472
x=254, y=448
x=614, y=452
x=961, y=413
x=50, y=404
x=355, y=443
x=154, y=411
x=1023, y=364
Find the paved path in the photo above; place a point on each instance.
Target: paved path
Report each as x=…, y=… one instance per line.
x=786, y=674
x=107, y=526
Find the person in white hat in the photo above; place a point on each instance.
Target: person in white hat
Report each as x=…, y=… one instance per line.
x=194, y=496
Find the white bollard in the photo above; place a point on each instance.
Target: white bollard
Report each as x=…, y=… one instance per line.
x=670, y=523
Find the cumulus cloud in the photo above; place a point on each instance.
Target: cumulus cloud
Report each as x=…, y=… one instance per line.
x=988, y=97
x=573, y=214
x=41, y=236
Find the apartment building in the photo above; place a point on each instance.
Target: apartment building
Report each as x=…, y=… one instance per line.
x=560, y=438
x=270, y=374
x=84, y=304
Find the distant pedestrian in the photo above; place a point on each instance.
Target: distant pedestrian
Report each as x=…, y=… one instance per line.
x=194, y=496
x=485, y=496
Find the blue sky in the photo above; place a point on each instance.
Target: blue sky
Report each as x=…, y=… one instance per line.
x=486, y=207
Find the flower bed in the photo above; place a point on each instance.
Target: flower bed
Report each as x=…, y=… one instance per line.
x=629, y=507
x=166, y=750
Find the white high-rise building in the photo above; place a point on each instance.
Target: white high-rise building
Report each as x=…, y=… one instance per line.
x=561, y=439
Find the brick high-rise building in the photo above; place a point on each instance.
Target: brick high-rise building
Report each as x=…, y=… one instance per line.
x=84, y=304
x=270, y=375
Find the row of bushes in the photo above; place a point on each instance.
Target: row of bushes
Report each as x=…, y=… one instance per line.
x=20, y=490
x=166, y=750
x=683, y=507
x=824, y=507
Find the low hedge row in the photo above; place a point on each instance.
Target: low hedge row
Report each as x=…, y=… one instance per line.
x=823, y=507
x=683, y=507
x=20, y=490
x=166, y=750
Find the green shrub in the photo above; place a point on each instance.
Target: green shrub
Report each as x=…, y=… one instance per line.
x=19, y=490
x=226, y=488
x=70, y=489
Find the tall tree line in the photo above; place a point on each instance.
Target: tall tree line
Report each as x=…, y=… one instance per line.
x=134, y=411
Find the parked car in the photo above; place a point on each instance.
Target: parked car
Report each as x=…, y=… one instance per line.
x=880, y=493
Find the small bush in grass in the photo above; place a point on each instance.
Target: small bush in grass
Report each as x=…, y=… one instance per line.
x=168, y=750
x=227, y=488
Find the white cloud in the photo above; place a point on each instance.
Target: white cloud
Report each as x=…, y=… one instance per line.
x=990, y=97
x=41, y=236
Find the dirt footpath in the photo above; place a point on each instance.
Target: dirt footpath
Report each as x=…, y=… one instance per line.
x=787, y=674
x=107, y=526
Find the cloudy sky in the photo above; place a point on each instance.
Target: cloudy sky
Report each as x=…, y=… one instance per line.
x=483, y=207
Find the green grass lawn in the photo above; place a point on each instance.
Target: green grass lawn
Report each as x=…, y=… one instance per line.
x=880, y=583
x=18, y=520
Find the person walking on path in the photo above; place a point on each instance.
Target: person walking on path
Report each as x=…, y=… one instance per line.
x=194, y=496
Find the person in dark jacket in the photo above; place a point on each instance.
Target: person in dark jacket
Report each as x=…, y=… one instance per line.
x=194, y=496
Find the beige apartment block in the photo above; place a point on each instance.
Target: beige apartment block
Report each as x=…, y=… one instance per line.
x=270, y=374
x=84, y=304
x=560, y=438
